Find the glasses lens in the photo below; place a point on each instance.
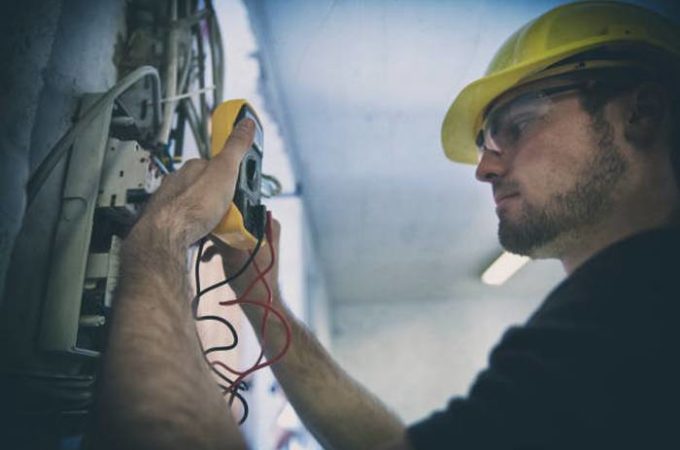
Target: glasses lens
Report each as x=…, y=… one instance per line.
x=508, y=124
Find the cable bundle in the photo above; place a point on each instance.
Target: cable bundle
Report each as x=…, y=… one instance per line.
x=238, y=384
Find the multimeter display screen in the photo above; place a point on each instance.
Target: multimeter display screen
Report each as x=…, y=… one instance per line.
x=247, y=195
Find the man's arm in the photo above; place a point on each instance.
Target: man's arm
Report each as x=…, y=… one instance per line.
x=156, y=390
x=337, y=410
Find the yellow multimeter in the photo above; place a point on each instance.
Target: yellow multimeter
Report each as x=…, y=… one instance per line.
x=244, y=222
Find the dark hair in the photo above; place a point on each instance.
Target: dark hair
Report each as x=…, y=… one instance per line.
x=653, y=67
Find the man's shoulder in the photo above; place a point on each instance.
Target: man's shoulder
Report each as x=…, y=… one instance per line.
x=644, y=263
x=642, y=250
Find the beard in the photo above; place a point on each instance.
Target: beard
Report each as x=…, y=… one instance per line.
x=567, y=212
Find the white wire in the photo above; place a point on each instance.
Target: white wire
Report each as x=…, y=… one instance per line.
x=161, y=166
x=188, y=94
x=170, y=78
x=54, y=156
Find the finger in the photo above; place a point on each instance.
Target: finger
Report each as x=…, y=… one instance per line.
x=219, y=176
x=177, y=182
x=227, y=161
x=218, y=243
x=192, y=168
x=189, y=173
x=227, y=252
x=209, y=253
x=240, y=140
x=275, y=233
x=276, y=230
x=238, y=144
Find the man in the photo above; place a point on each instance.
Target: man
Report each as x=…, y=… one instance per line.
x=576, y=123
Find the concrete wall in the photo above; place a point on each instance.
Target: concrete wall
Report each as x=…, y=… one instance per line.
x=55, y=51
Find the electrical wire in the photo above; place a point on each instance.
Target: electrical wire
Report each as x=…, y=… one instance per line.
x=187, y=95
x=263, y=325
x=239, y=383
x=246, y=409
x=183, y=84
x=75, y=388
x=238, y=273
x=268, y=309
x=160, y=165
x=193, y=117
x=172, y=64
x=204, y=351
x=195, y=18
x=200, y=129
x=194, y=308
x=226, y=323
x=42, y=173
x=271, y=186
x=216, y=53
x=218, y=67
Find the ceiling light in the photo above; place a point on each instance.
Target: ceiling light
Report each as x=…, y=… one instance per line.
x=503, y=268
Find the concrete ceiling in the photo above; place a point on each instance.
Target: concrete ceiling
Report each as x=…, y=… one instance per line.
x=360, y=89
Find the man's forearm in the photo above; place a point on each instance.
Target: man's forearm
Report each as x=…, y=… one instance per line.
x=338, y=411
x=156, y=389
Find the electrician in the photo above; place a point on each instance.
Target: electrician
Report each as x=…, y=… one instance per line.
x=575, y=129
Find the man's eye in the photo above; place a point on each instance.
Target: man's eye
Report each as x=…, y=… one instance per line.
x=518, y=127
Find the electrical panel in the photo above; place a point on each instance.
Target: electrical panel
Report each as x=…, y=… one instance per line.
x=87, y=189
x=106, y=182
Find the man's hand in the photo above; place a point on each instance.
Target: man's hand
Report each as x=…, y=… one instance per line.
x=192, y=201
x=234, y=259
x=156, y=388
x=338, y=411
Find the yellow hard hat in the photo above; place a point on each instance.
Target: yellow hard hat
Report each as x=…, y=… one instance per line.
x=556, y=35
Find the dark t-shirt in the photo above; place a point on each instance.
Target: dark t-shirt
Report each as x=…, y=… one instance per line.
x=596, y=366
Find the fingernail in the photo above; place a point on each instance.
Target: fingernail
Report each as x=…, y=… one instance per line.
x=246, y=124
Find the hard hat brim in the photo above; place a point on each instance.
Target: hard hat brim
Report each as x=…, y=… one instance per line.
x=464, y=117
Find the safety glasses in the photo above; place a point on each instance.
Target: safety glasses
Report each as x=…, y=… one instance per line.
x=507, y=124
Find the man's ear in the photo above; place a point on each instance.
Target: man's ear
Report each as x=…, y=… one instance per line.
x=646, y=115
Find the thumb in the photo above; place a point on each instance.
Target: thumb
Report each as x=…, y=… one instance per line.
x=222, y=170
x=238, y=143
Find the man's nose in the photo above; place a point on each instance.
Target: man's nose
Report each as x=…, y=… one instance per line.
x=491, y=166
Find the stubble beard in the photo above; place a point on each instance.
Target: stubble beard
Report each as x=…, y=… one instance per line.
x=542, y=231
